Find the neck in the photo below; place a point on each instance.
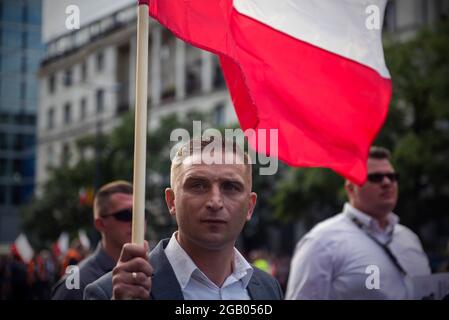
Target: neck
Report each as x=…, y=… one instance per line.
x=110, y=249
x=215, y=264
x=382, y=221
x=380, y=217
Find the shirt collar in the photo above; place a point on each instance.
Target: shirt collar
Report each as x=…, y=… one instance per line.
x=241, y=270
x=369, y=222
x=184, y=267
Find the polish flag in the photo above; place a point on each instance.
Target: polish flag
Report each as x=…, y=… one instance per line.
x=22, y=248
x=61, y=245
x=314, y=70
x=84, y=239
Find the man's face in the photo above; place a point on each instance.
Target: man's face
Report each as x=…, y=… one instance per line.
x=118, y=232
x=375, y=198
x=211, y=203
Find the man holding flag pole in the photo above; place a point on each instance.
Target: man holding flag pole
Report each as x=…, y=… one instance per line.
x=314, y=71
x=211, y=204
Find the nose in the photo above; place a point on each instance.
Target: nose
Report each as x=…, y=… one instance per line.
x=215, y=201
x=386, y=181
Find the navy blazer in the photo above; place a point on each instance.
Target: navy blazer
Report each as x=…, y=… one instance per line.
x=90, y=269
x=165, y=286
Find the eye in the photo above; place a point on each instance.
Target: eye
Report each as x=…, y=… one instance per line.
x=230, y=186
x=198, y=185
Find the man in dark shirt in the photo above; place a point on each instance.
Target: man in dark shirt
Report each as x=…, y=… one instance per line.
x=112, y=218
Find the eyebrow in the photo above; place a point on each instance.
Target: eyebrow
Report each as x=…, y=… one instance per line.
x=197, y=176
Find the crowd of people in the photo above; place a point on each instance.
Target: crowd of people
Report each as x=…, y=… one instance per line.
x=33, y=280
x=38, y=279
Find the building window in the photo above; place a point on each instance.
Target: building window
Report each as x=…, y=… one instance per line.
x=50, y=156
x=100, y=100
x=16, y=166
x=28, y=141
x=3, y=141
x=219, y=81
x=219, y=114
x=18, y=142
x=65, y=154
x=83, y=107
x=425, y=12
x=100, y=61
x=50, y=118
x=16, y=195
x=51, y=83
x=23, y=92
x=68, y=78
x=67, y=113
x=390, y=17
x=3, y=194
x=84, y=72
x=3, y=166
x=193, y=84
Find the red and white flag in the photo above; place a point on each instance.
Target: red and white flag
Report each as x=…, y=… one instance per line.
x=61, y=245
x=22, y=248
x=84, y=239
x=312, y=69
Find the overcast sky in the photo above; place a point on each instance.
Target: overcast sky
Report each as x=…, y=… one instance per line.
x=54, y=15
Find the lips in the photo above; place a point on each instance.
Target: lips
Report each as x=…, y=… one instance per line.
x=387, y=194
x=214, y=221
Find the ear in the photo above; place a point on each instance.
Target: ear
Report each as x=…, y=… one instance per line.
x=170, y=200
x=349, y=187
x=99, y=224
x=252, y=205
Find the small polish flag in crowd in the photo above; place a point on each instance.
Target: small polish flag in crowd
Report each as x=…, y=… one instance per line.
x=22, y=248
x=84, y=239
x=61, y=246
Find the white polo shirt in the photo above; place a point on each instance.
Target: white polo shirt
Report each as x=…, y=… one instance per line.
x=335, y=259
x=195, y=285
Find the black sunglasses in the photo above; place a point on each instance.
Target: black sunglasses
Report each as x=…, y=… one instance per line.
x=124, y=215
x=379, y=177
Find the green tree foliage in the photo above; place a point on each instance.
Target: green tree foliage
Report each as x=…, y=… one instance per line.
x=417, y=132
x=59, y=209
x=417, y=129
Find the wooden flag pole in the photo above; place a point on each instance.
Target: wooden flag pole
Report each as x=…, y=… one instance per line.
x=140, y=129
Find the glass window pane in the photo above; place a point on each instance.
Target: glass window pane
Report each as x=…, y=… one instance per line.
x=34, y=12
x=12, y=39
x=10, y=63
x=11, y=89
x=12, y=12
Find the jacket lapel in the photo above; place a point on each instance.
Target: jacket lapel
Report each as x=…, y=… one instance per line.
x=254, y=289
x=165, y=286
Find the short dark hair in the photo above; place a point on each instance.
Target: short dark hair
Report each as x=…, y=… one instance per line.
x=379, y=153
x=102, y=196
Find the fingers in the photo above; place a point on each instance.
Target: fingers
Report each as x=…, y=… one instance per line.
x=140, y=279
x=123, y=291
x=132, y=250
x=135, y=265
x=131, y=278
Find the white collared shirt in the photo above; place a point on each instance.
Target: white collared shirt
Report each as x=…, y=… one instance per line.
x=372, y=226
x=336, y=258
x=195, y=285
